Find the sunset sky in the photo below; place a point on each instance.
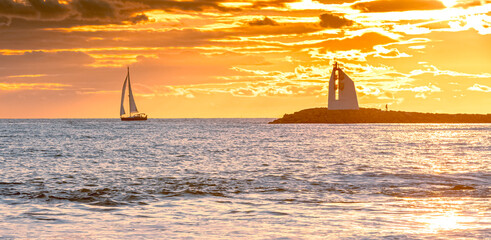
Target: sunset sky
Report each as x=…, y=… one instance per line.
x=221, y=58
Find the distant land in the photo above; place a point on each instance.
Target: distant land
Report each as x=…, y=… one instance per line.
x=372, y=115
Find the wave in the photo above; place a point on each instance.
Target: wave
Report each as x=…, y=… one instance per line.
x=283, y=188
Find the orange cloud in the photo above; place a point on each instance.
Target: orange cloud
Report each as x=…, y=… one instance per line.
x=329, y=20
x=364, y=42
x=398, y=5
x=198, y=56
x=263, y=22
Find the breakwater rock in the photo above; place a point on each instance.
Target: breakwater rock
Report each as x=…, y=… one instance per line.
x=372, y=115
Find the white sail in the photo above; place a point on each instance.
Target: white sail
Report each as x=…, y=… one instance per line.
x=342, y=92
x=133, y=108
x=133, y=114
x=121, y=111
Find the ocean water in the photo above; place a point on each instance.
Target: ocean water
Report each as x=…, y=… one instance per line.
x=243, y=179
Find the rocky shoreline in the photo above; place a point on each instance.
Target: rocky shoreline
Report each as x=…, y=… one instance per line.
x=372, y=115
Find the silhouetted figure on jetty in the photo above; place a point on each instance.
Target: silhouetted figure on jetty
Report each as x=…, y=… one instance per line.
x=343, y=108
x=372, y=115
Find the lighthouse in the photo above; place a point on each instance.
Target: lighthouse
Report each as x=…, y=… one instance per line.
x=342, y=91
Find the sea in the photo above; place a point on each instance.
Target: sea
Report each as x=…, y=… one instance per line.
x=243, y=179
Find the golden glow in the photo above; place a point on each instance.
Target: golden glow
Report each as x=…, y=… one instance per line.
x=266, y=53
x=236, y=4
x=28, y=76
x=111, y=28
x=440, y=15
x=480, y=88
x=166, y=17
x=307, y=4
x=447, y=220
x=116, y=60
x=32, y=86
x=449, y=3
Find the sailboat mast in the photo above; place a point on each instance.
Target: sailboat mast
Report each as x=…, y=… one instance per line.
x=129, y=101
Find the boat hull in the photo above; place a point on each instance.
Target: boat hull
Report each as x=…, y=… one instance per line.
x=134, y=118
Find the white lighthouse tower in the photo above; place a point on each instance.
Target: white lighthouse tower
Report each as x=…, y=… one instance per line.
x=342, y=92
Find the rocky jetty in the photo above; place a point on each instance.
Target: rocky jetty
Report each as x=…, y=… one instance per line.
x=372, y=115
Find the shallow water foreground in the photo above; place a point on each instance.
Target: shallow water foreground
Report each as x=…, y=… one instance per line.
x=243, y=179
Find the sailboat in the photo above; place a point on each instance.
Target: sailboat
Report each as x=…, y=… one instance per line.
x=342, y=91
x=133, y=115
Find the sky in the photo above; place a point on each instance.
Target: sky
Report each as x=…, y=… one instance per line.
x=235, y=58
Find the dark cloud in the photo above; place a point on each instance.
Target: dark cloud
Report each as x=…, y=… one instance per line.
x=107, y=11
x=47, y=40
x=46, y=9
x=262, y=22
x=12, y=8
x=4, y=21
x=199, y=5
x=21, y=37
x=139, y=18
x=398, y=5
x=49, y=8
x=333, y=21
x=85, y=12
x=26, y=24
x=273, y=3
x=94, y=8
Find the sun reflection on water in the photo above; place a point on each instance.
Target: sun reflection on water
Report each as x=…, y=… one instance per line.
x=447, y=221
x=447, y=215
